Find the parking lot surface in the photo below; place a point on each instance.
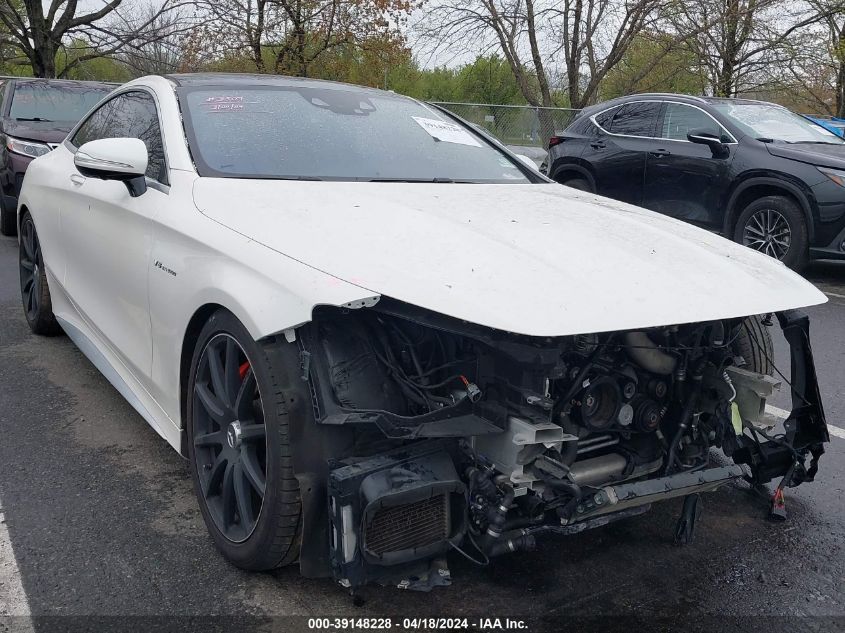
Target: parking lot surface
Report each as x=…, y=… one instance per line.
x=99, y=520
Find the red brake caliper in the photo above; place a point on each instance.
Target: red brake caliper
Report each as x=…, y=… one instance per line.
x=243, y=369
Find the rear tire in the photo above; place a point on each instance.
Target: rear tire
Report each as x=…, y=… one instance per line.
x=754, y=344
x=237, y=412
x=7, y=221
x=578, y=183
x=35, y=293
x=775, y=226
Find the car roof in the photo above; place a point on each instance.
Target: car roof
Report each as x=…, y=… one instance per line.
x=59, y=82
x=667, y=96
x=251, y=79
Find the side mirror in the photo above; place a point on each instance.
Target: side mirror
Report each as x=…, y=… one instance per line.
x=703, y=137
x=123, y=159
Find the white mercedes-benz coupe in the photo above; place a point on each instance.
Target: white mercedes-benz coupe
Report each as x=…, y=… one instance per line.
x=378, y=336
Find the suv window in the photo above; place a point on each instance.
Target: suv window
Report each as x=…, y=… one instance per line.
x=680, y=119
x=604, y=119
x=636, y=119
x=128, y=115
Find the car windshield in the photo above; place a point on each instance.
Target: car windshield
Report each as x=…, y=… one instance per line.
x=762, y=120
x=40, y=101
x=335, y=133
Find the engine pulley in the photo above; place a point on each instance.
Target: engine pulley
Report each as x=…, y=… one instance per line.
x=599, y=404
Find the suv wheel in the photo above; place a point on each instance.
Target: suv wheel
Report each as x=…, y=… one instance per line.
x=578, y=183
x=775, y=226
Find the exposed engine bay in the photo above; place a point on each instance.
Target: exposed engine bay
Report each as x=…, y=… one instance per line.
x=451, y=436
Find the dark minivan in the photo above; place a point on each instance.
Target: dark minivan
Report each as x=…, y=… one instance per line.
x=36, y=116
x=754, y=171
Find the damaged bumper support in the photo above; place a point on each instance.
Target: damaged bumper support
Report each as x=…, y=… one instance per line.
x=560, y=436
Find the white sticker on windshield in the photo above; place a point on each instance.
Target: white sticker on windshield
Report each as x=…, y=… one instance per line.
x=446, y=132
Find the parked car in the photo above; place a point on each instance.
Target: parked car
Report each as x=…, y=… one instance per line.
x=834, y=124
x=420, y=344
x=754, y=171
x=35, y=116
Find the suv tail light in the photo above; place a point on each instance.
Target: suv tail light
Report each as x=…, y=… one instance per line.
x=555, y=140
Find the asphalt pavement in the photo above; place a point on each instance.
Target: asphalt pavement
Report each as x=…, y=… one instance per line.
x=99, y=528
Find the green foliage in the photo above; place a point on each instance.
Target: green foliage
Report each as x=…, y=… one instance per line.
x=653, y=64
x=96, y=69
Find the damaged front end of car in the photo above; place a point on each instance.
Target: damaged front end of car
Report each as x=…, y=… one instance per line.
x=434, y=434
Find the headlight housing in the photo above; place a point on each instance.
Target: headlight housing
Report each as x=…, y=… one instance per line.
x=33, y=149
x=836, y=175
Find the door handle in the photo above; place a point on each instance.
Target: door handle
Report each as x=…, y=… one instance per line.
x=77, y=179
x=660, y=152
x=598, y=145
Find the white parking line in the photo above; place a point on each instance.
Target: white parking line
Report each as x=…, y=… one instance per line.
x=13, y=600
x=833, y=294
x=782, y=414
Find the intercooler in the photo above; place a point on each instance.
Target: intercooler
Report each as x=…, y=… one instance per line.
x=408, y=526
x=394, y=509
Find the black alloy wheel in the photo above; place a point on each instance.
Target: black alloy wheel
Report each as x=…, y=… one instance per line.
x=768, y=231
x=229, y=438
x=35, y=292
x=775, y=226
x=30, y=268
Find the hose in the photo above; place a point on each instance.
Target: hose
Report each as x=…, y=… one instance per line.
x=497, y=516
x=647, y=355
x=686, y=416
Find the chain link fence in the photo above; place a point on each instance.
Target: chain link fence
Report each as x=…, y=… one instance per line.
x=513, y=125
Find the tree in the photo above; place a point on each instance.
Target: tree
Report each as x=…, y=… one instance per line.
x=590, y=36
x=290, y=36
x=746, y=38
x=655, y=62
x=38, y=31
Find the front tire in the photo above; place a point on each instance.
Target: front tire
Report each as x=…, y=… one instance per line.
x=239, y=448
x=775, y=226
x=754, y=344
x=35, y=292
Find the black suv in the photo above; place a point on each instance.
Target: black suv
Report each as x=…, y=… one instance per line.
x=754, y=171
x=35, y=116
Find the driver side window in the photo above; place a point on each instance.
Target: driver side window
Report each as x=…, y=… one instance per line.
x=679, y=120
x=128, y=115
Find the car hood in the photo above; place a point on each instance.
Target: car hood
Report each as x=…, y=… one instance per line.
x=44, y=131
x=541, y=260
x=831, y=156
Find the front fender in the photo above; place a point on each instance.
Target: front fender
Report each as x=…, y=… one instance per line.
x=796, y=190
x=197, y=263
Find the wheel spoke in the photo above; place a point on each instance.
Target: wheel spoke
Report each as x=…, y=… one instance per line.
x=27, y=264
x=228, y=495
x=232, y=375
x=215, y=369
x=243, y=498
x=218, y=438
x=28, y=242
x=31, y=299
x=245, y=397
x=251, y=433
x=252, y=471
x=215, y=476
x=216, y=409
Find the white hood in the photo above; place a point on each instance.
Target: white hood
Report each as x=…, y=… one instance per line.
x=542, y=260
